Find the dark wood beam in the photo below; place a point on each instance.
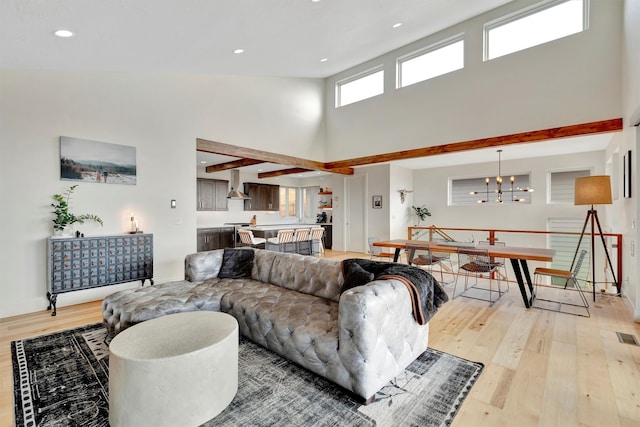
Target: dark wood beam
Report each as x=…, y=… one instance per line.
x=281, y=172
x=232, y=165
x=249, y=153
x=603, y=126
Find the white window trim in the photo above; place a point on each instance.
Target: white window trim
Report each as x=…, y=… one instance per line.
x=355, y=77
x=522, y=13
x=574, y=169
x=424, y=50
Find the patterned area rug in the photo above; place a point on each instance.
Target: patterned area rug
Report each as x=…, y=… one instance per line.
x=62, y=379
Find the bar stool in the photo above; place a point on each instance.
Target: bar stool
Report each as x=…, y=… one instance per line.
x=282, y=242
x=248, y=239
x=317, y=235
x=301, y=238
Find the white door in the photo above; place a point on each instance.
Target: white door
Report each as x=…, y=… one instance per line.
x=355, y=213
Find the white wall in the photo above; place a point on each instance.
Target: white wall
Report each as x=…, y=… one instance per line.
x=627, y=209
x=401, y=214
x=159, y=114
x=568, y=81
x=431, y=189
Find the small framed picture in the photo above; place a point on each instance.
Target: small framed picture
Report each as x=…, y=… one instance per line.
x=376, y=201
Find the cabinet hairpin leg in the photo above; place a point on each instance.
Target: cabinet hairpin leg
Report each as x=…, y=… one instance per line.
x=53, y=298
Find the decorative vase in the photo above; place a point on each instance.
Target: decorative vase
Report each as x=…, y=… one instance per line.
x=65, y=232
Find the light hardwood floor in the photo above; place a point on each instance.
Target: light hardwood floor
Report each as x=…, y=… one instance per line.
x=541, y=368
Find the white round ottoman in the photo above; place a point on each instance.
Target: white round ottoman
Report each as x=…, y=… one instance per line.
x=176, y=370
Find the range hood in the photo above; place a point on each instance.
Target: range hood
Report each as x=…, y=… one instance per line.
x=236, y=194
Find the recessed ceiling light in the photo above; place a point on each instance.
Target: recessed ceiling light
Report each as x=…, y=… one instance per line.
x=397, y=24
x=63, y=33
x=323, y=60
x=238, y=51
x=203, y=161
x=315, y=1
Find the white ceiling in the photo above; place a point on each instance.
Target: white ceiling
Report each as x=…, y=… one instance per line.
x=279, y=37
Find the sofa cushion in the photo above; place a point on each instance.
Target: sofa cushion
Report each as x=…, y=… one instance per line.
x=306, y=274
x=355, y=275
x=236, y=263
x=301, y=327
x=201, y=266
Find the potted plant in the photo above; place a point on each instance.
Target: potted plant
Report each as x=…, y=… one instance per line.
x=64, y=218
x=422, y=212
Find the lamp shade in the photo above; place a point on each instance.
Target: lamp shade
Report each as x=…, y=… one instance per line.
x=593, y=190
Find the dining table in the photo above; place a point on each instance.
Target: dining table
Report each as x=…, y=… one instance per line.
x=518, y=255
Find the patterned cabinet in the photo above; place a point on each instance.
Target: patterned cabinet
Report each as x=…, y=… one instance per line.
x=90, y=262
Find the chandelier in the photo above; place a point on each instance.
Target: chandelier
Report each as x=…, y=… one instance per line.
x=500, y=194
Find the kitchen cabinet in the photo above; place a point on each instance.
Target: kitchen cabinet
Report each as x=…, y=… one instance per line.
x=212, y=194
x=210, y=239
x=264, y=197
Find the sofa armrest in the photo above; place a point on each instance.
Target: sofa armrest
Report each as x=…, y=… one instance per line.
x=378, y=333
x=203, y=265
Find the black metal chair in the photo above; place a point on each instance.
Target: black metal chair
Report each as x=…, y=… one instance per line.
x=376, y=252
x=477, y=262
x=420, y=254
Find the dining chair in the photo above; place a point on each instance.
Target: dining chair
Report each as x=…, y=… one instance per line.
x=248, y=239
x=421, y=255
x=502, y=268
x=376, y=252
x=301, y=239
x=477, y=262
x=568, y=277
x=316, y=238
x=283, y=242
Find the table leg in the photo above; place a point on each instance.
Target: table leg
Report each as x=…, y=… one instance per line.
x=519, y=278
x=396, y=255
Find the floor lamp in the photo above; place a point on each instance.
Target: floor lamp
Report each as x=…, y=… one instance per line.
x=593, y=190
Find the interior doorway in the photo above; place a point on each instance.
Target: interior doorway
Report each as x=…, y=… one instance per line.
x=355, y=220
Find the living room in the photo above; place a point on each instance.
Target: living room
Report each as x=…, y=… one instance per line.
x=587, y=77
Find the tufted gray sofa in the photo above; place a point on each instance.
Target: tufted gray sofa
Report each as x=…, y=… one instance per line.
x=292, y=305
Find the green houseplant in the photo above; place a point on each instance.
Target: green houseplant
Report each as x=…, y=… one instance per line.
x=63, y=217
x=421, y=212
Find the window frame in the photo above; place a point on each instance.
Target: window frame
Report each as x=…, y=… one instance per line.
x=589, y=170
x=425, y=51
x=284, y=201
x=524, y=13
x=353, y=78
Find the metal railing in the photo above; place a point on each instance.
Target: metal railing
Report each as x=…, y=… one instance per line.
x=531, y=238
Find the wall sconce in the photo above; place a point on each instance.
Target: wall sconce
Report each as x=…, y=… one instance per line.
x=403, y=194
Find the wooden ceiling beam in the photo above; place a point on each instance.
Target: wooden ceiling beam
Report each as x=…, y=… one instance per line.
x=265, y=156
x=232, y=165
x=603, y=126
x=281, y=172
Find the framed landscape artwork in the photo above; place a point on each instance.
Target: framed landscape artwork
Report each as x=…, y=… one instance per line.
x=99, y=162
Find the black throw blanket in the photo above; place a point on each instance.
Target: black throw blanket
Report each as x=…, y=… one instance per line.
x=426, y=293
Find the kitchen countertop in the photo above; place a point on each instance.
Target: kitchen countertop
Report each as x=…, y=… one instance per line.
x=272, y=227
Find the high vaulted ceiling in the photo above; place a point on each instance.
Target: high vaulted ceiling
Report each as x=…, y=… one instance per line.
x=279, y=37
x=287, y=38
